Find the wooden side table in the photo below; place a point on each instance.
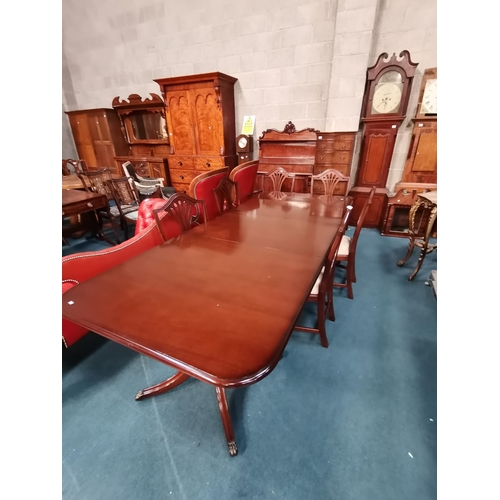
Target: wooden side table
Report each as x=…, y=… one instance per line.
x=424, y=201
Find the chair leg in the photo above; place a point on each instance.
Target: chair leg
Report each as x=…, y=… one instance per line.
x=349, y=280
x=115, y=229
x=125, y=228
x=331, y=311
x=321, y=322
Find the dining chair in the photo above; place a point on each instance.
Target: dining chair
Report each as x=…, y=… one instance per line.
x=126, y=206
x=96, y=181
x=245, y=175
x=330, y=179
x=346, y=257
x=147, y=187
x=278, y=176
x=184, y=210
x=226, y=195
x=78, y=165
x=322, y=291
x=202, y=188
x=65, y=168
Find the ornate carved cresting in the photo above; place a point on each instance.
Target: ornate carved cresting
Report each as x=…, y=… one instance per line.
x=384, y=61
x=289, y=129
x=135, y=101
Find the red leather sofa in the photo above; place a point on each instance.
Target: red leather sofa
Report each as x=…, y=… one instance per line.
x=79, y=267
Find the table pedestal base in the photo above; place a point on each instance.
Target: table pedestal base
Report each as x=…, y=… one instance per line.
x=178, y=379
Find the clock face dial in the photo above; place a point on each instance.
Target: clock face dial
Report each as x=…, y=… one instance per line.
x=386, y=98
x=429, y=99
x=242, y=142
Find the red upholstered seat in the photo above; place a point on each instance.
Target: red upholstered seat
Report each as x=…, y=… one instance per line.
x=202, y=188
x=244, y=175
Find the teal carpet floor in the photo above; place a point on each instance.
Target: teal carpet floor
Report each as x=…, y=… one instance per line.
x=356, y=421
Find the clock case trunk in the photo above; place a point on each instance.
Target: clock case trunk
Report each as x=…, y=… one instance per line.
x=379, y=137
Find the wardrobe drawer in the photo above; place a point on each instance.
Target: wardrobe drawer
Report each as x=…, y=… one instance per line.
x=208, y=163
x=320, y=168
x=181, y=162
x=333, y=157
x=181, y=187
x=182, y=176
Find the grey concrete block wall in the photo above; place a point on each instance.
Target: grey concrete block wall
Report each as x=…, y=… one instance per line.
x=299, y=60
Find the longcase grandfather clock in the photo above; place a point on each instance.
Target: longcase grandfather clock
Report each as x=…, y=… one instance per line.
x=387, y=91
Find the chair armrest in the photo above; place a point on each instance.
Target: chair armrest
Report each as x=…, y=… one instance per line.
x=151, y=180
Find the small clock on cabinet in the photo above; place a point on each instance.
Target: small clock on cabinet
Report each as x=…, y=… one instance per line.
x=244, y=148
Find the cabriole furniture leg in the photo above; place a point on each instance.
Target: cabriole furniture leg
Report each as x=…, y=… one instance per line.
x=425, y=201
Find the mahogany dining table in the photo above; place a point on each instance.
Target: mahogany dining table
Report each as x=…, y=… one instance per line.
x=219, y=302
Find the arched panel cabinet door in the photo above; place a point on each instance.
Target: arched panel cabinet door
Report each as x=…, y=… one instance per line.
x=201, y=123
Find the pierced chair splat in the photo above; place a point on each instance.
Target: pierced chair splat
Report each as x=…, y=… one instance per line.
x=278, y=176
x=322, y=292
x=330, y=179
x=184, y=210
x=226, y=195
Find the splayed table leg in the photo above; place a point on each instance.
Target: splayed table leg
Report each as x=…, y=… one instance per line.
x=162, y=387
x=226, y=420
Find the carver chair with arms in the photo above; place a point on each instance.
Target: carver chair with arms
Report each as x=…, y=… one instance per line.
x=202, y=188
x=322, y=291
x=97, y=182
x=330, y=178
x=147, y=187
x=346, y=257
x=126, y=204
x=186, y=211
x=245, y=175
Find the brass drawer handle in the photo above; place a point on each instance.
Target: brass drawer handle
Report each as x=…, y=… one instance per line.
x=179, y=163
x=181, y=176
x=89, y=204
x=207, y=164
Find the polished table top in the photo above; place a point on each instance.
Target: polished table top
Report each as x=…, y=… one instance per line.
x=70, y=196
x=71, y=182
x=218, y=303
